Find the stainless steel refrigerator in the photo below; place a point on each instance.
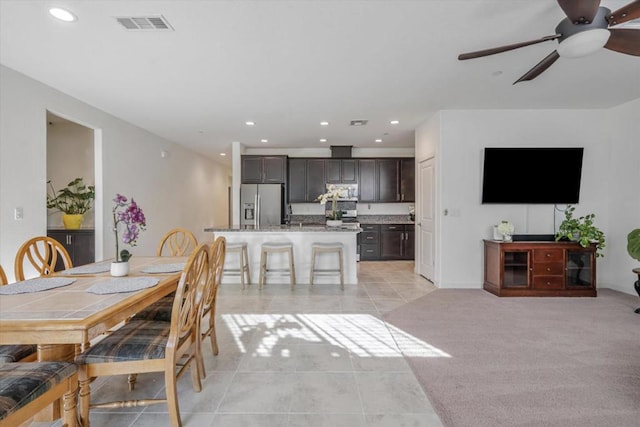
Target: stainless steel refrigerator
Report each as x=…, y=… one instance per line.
x=261, y=204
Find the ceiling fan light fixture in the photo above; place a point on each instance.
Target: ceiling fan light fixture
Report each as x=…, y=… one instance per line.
x=583, y=43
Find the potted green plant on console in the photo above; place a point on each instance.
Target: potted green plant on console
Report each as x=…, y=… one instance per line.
x=581, y=230
x=633, y=247
x=73, y=201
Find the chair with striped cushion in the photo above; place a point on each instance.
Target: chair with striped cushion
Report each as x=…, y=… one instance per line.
x=42, y=253
x=27, y=388
x=10, y=353
x=142, y=346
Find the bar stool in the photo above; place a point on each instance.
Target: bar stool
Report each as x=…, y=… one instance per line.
x=318, y=248
x=240, y=248
x=276, y=247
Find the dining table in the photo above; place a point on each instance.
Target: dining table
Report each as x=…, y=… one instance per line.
x=62, y=313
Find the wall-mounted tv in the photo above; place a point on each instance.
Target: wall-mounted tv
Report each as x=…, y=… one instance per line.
x=532, y=175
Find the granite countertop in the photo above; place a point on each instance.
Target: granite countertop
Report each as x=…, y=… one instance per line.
x=294, y=228
x=384, y=219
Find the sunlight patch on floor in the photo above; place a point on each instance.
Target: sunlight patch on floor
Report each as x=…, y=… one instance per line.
x=363, y=335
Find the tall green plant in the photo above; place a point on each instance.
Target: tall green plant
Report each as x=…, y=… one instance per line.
x=581, y=230
x=75, y=198
x=633, y=244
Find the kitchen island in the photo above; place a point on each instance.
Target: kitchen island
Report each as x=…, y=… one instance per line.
x=302, y=236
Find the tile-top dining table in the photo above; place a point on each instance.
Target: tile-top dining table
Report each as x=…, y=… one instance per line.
x=62, y=321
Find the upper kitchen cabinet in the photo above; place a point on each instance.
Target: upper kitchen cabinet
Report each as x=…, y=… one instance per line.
x=342, y=171
x=388, y=175
x=387, y=180
x=306, y=179
x=264, y=169
x=407, y=180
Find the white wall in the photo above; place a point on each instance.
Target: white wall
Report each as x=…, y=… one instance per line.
x=623, y=194
x=464, y=134
x=185, y=189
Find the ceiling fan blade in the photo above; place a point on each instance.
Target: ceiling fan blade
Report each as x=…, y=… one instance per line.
x=540, y=67
x=625, y=13
x=487, y=52
x=580, y=12
x=624, y=41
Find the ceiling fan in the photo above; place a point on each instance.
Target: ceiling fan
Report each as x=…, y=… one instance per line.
x=587, y=28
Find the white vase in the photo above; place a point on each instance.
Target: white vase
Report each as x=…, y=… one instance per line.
x=334, y=222
x=119, y=269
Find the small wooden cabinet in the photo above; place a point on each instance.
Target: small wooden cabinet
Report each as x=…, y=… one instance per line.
x=264, y=169
x=539, y=269
x=79, y=243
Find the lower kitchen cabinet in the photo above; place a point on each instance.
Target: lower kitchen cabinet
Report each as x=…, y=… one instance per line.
x=387, y=242
x=397, y=241
x=79, y=243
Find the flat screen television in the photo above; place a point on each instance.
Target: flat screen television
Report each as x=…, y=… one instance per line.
x=532, y=175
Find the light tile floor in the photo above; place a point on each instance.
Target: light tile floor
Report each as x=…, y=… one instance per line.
x=308, y=357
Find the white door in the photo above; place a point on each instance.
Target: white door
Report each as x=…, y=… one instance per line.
x=426, y=218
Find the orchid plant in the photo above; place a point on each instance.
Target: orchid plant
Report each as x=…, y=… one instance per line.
x=131, y=216
x=333, y=193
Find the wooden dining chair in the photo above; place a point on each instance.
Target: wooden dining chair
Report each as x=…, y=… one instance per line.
x=42, y=253
x=217, y=257
x=10, y=353
x=177, y=242
x=151, y=346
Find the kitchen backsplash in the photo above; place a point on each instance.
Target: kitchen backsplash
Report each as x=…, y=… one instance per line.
x=363, y=208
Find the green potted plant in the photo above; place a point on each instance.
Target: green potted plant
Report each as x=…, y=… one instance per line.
x=633, y=244
x=581, y=230
x=73, y=201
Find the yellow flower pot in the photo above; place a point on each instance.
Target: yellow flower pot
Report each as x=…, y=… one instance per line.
x=72, y=221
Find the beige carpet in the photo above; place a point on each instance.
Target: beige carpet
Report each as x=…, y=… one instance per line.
x=526, y=361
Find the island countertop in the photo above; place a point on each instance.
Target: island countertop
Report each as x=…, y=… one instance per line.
x=294, y=228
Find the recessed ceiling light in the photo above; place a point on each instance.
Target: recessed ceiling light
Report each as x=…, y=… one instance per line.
x=223, y=154
x=378, y=140
x=62, y=14
x=264, y=140
x=323, y=140
x=249, y=123
x=394, y=122
x=324, y=123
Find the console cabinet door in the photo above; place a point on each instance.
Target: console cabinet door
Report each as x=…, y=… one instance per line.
x=79, y=243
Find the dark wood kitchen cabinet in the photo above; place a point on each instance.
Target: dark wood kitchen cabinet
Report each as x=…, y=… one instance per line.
x=387, y=180
x=342, y=171
x=539, y=269
x=369, y=242
x=407, y=180
x=397, y=241
x=306, y=179
x=264, y=169
x=79, y=243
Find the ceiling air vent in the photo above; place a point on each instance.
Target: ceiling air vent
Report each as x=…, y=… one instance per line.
x=154, y=23
x=358, y=122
